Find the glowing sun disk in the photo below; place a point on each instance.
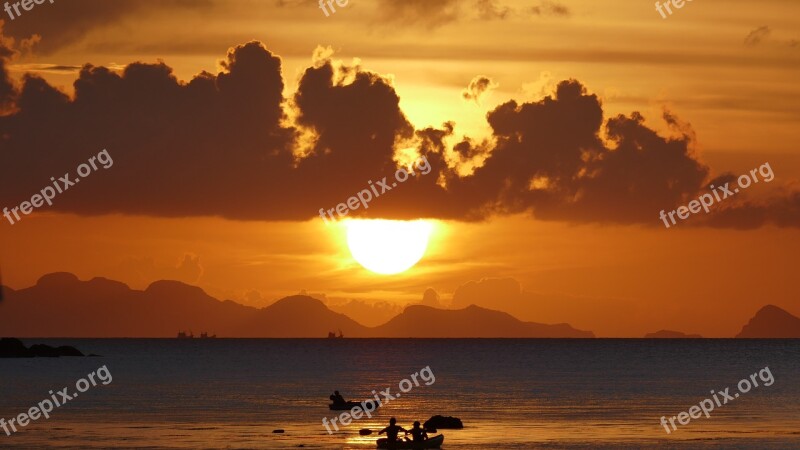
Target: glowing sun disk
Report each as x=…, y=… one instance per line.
x=388, y=246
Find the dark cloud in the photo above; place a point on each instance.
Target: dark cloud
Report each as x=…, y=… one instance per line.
x=224, y=128
x=7, y=90
x=549, y=159
x=780, y=211
x=230, y=144
x=64, y=23
x=549, y=8
x=491, y=9
x=290, y=3
x=756, y=36
x=433, y=14
x=47, y=68
x=424, y=13
x=477, y=87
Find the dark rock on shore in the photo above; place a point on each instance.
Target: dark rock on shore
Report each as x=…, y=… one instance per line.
x=54, y=352
x=445, y=423
x=14, y=348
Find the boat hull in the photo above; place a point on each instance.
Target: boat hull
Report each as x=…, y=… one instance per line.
x=434, y=442
x=350, y=405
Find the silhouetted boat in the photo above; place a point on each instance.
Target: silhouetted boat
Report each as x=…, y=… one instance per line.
x=183, y=335
x=332, y=335
x=434, y=442
x=349, y=405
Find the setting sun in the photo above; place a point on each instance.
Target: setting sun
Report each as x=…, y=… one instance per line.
x=388, y=246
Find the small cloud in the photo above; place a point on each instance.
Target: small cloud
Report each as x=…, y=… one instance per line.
x=143, y=271
x=756, y=36
x=366, y=312
x=322, y=55
x=478, y=87
x=189, y=268
x=116, y=66
x=424, y=13
x=490, y=9
x=544, y=86
x=431, y=298
x=548, y=8
x=321, y=296
x=45, y=68
x=290, y=3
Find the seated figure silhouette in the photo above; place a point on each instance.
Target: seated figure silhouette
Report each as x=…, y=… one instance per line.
x=418, y=433
x=392, y=430
x=337, y=398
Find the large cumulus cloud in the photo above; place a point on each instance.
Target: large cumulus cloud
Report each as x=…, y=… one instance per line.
x=231, y=144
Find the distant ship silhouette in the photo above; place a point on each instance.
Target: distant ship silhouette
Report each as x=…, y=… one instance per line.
x=183, y=335
x=332, y=335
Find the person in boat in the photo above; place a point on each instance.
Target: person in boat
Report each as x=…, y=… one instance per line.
x=337, y=398
x=418, y=433
x=392, y=431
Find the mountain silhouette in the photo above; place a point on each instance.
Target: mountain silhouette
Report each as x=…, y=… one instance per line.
x=419, y=321
x=61, y=305
x=669, y=334
x=771, y=322
x=300, y=316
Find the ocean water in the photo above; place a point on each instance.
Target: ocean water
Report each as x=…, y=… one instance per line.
x=510, y=393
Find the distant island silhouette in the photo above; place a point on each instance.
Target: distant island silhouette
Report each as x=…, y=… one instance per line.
x=771, y=322
x=669, y=334
x=61, y=305
x=472, y=321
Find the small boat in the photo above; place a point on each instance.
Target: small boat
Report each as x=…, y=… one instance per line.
x=183, y=335
x=434, y=442
x=332, y=335
x=346, y=406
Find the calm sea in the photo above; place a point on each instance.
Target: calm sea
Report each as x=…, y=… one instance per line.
x=510, y=393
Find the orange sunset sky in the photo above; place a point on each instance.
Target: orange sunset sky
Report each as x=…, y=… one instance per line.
x=548, y=177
